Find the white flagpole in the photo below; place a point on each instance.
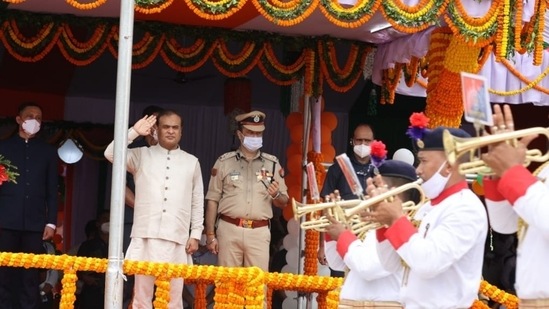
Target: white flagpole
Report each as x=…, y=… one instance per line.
x=301, y=301
x=114, y=282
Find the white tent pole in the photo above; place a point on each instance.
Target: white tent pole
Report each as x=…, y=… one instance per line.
x=305, y=149
x=114, y=283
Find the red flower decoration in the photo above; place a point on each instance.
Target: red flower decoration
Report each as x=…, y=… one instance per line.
x=3, y=174
x=378, y=149
x=419, y=120
x=378, y=153
x=7, y=171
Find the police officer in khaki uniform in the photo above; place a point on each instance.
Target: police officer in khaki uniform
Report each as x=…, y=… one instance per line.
x=244, y=185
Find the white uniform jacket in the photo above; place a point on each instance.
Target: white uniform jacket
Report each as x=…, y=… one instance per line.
x=519, y=194
x=169, y=194
x=366, y=279
x=444, y=255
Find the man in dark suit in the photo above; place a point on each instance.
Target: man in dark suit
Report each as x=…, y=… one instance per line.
x=28, y=208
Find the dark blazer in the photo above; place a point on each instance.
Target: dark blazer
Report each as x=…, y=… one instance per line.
x=31, y=203
x=335, y=180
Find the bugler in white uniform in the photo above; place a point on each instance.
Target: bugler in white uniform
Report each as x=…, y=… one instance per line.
x=444, y=255
x=518, y=194
x=366, y=279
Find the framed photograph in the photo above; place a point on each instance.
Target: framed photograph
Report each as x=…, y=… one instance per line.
x=476, y=101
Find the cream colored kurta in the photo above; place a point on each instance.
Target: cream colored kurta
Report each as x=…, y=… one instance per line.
x=169, y=196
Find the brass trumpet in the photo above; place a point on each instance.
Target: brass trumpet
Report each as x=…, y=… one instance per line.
x=348, y=212
x=455, y=147
x=410, y=207
x=334, y=209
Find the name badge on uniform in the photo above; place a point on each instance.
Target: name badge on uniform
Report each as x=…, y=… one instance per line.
x=234, y=175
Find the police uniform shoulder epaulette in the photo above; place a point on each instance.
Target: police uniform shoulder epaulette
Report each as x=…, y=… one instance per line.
x=227, y=155
x=269, y=157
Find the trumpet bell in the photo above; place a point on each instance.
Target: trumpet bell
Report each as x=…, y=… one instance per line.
x=456, y=147
x=301, y=209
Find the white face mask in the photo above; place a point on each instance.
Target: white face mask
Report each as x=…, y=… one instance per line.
x=252, y=143
x=362, y=150
x=31, y=126
x=435, y=185
x=105, y=227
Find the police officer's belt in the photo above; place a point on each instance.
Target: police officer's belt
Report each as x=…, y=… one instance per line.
x=245, y=223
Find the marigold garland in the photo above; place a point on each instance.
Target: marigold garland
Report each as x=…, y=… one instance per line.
x=408, y=19
x=162, y=293
x=99, y=37
x=285, y=74
x=417, y=15
x=286, y=69
x=144, y=57
x=485, y=54
x=411, y=19
x=277, y=77
x=236, y=65
x=171, y=54
x=229, y=281
x=69, y=289
x=491, y=291
x=540, y=23
x=38, y=46
x=352, y=17
x=309, y=77
x=157, y=8
x=86, y=6
x=518, y=25
x=312, y=237
x=390, y=79
x=200, y=295
x=342, y=80
x=529, y=85
x=219, y=10
x=502, y=35
x=444, y=102
x=473, y=31
x=477, y=304
x=30, y=43
x=286, y=16
x=411, y=71
x=106, y=36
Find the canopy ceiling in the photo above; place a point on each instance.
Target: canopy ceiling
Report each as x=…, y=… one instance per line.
x=394, y=46
x=246, y=18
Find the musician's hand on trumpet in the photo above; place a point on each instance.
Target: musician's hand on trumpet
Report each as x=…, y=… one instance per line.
x=388, y=211
x=504, y=155
x=335, y=228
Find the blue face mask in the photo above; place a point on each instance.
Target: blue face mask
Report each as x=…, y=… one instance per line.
x=252, y=143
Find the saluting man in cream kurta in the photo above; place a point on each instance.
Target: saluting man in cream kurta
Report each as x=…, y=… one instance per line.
x=244, y=184
x=169, y=202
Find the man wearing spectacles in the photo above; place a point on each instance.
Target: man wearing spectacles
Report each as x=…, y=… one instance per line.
x=363, y=135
